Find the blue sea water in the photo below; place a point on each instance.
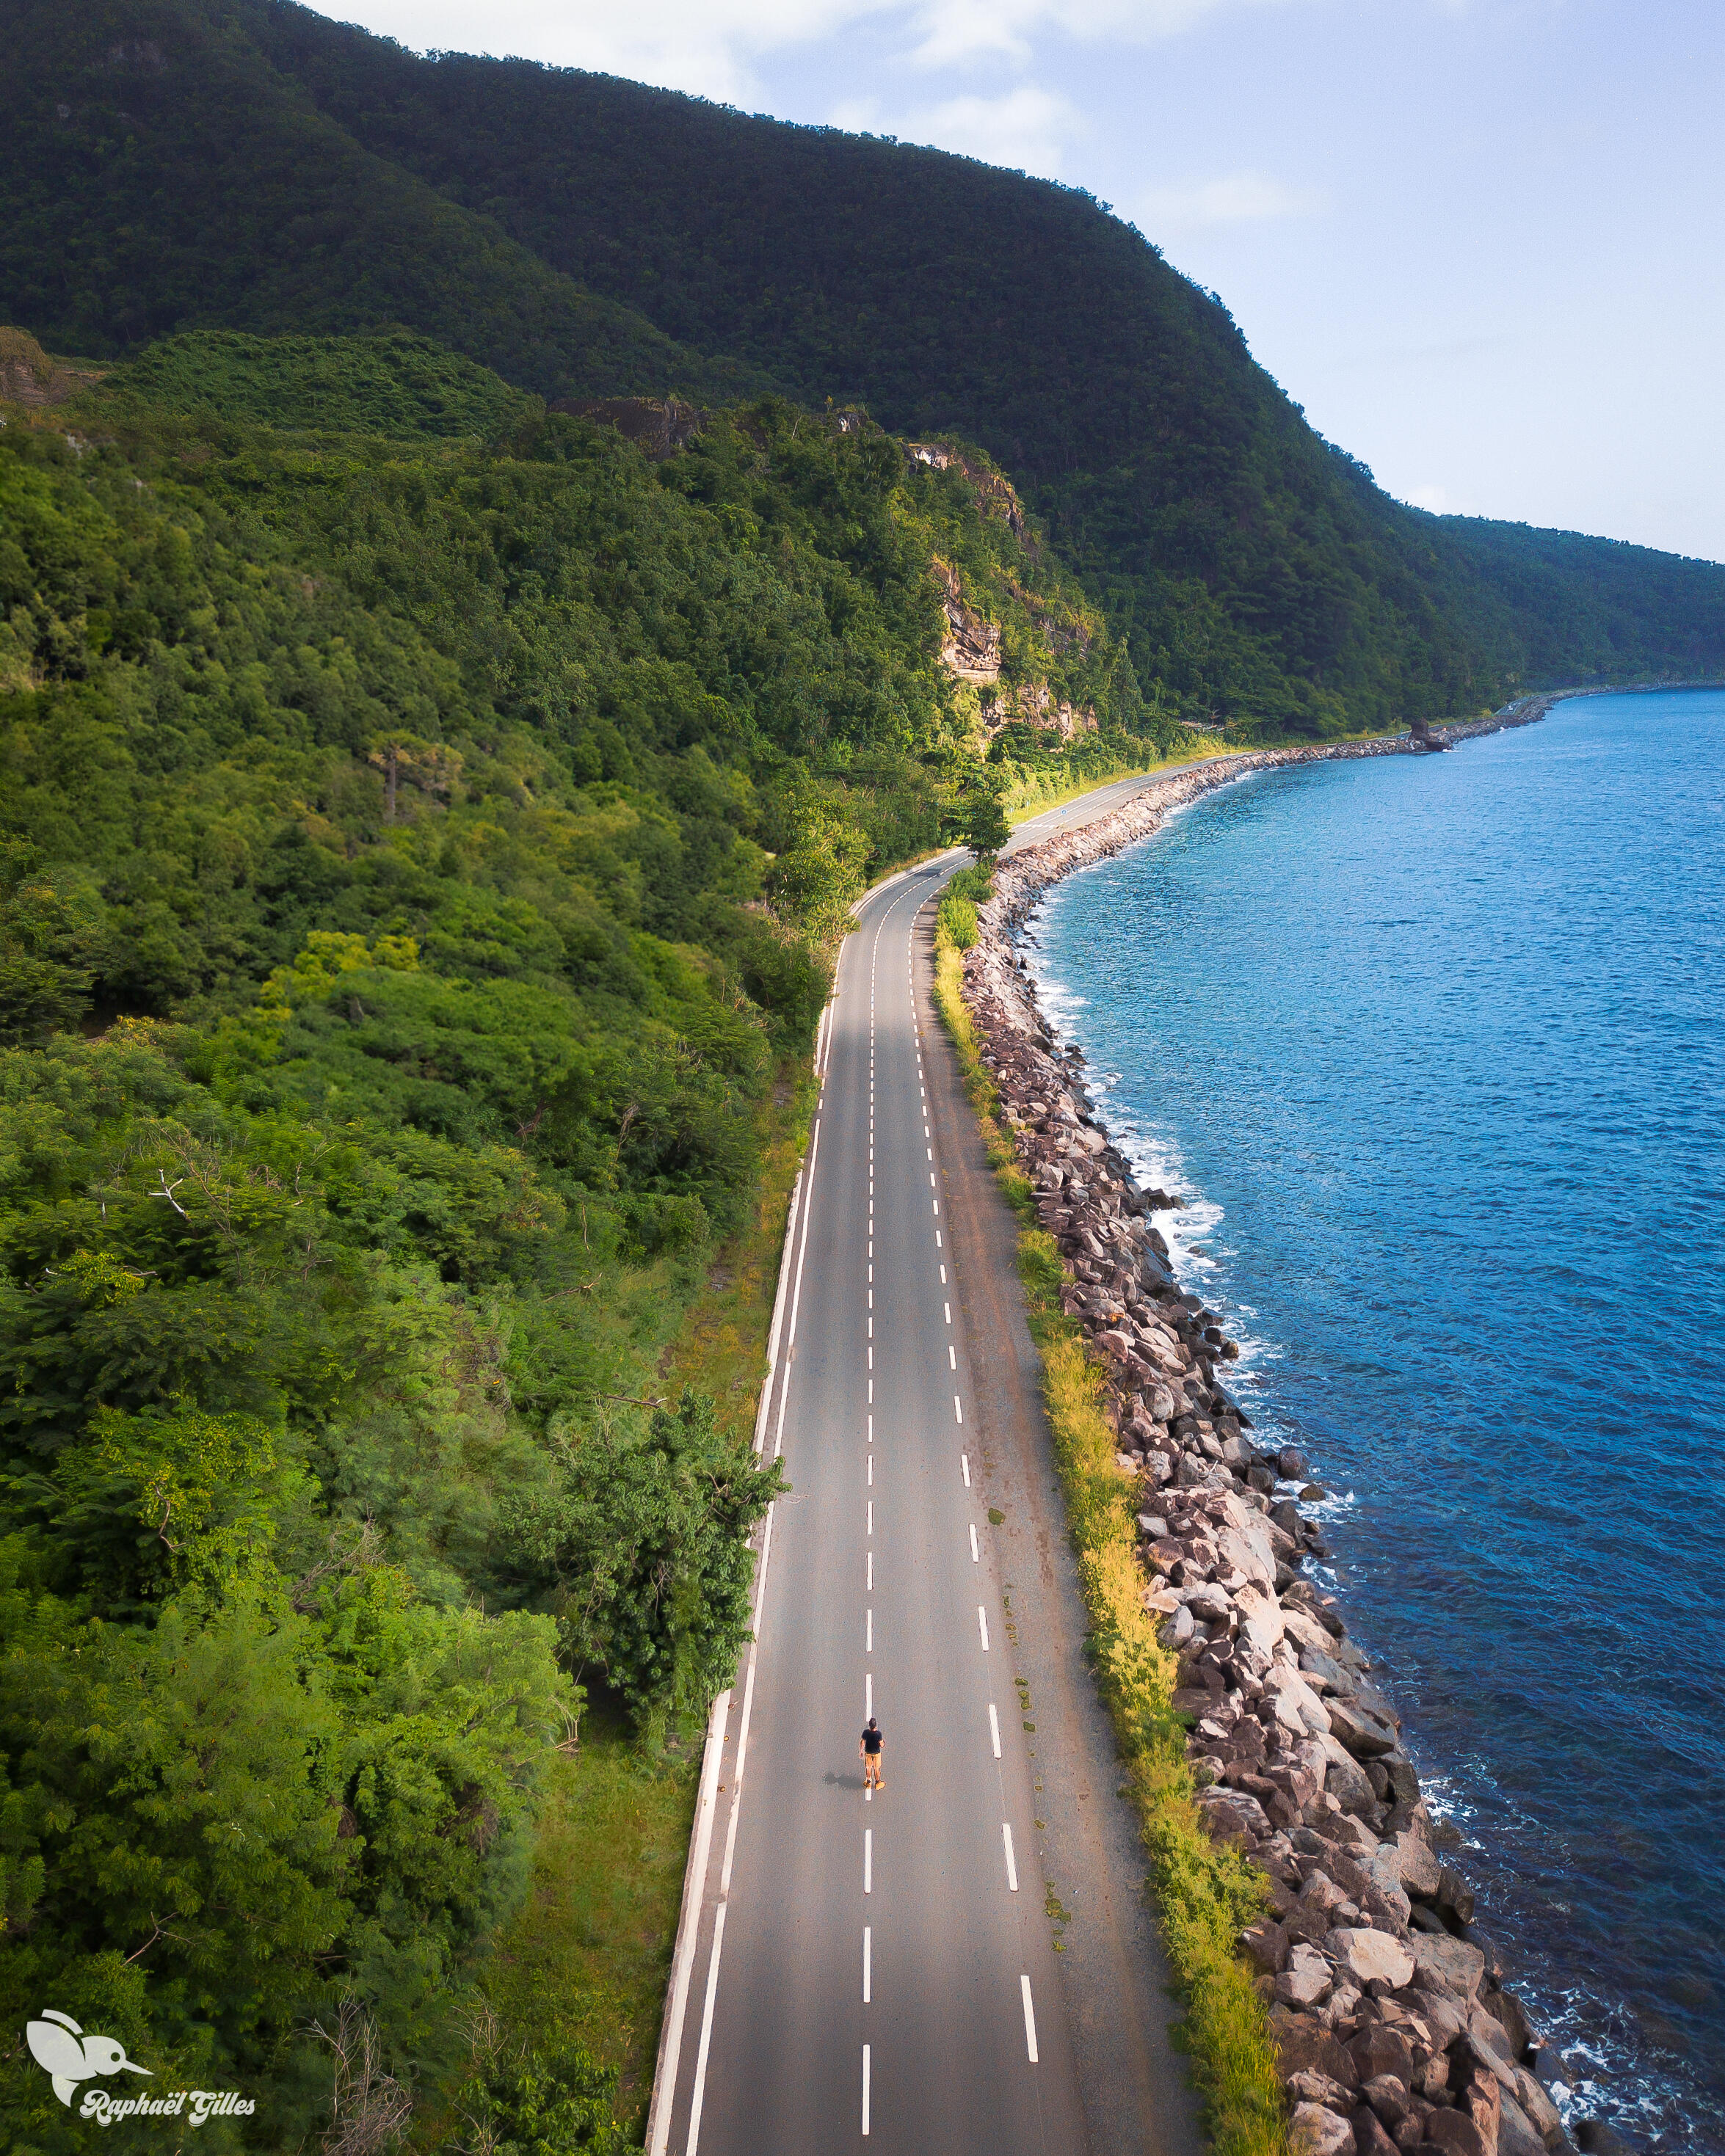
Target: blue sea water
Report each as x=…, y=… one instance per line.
x=1434, y=1048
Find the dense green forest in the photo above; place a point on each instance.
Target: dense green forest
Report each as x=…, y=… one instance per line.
x=422, y=837
x=250, y=164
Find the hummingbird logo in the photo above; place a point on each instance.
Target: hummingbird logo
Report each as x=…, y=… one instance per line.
x=61, y=2049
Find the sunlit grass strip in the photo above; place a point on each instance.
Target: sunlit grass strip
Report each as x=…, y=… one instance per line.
x=1205, y=1892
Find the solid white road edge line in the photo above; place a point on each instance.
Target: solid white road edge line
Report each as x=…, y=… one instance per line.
x=688, y=1924
x=706, y=2035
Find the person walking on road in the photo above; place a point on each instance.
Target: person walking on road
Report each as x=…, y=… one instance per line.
x=870, y=1749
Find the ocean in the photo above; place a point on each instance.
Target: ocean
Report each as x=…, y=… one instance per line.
x=1433, y=1050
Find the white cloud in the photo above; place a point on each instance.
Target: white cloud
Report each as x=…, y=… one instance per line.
x=1027, y=127
x=711, y=47
x=950, y=31
x=1246, y=198
x=704, y=46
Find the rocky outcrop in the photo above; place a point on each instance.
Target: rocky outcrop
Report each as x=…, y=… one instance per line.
x=1386, y=2002
x=28, y=376
x=971, y=648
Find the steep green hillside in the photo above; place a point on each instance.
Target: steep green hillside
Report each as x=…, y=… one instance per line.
x=419, y=858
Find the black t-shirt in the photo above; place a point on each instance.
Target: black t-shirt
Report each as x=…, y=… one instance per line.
x=871, y=1740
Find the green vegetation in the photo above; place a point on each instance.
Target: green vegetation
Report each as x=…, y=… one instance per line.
x=420, y=854
x=1206, y=1893
x=584, y=1961
x=249, y=164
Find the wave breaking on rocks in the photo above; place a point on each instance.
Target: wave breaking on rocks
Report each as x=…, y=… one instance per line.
x=1386, y=2004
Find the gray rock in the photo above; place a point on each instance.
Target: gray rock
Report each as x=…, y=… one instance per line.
x=1419, y=1865
x=1345, y=1780
x=1366, y=1738
x=1323, y=1671
x=1315, y=2130
x=1542, y=2114
x=1516, y=2136
x=1455, y=1895
x=1311, y=2087
x=1390, y=2099
x=1306, y=1980
x=1450, y=1965
x=1369, y=1956
x=1454, y=2133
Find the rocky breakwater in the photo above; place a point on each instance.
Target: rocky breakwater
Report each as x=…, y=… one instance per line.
x=1386, y=2004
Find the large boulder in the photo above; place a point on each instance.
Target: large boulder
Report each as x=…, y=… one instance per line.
x=1367, y=1956
x=1418, y=1864
x=1315, y=2130
x=1304, y=2046
x=1305, y=1982
x=1449, y=1964
x=1360, y=1733
x=1516, y=2133
x=1298, y=1708
x=1261, y=1615
x=1379, y=2049
x=1347, y=1780
x=1454, y=2133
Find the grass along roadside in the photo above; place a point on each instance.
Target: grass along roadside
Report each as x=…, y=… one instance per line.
x=1205, y=1892
x=585, y=1958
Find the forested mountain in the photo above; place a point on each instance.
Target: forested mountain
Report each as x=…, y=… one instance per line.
x=248, y=163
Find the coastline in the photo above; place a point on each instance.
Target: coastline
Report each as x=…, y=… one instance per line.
x=1388, y=2012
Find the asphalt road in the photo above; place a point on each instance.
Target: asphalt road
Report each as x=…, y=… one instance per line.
x=877, y=1966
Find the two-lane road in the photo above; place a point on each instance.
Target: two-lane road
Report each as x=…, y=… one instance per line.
x=879, y=1967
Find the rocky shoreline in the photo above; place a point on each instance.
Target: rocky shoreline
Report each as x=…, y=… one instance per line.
x=1387, y=2006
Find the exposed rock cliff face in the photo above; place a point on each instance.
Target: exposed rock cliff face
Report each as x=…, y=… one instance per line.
x=971, y=647
x=28, y=375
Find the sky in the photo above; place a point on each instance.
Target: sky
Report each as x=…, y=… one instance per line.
x=1482, y=242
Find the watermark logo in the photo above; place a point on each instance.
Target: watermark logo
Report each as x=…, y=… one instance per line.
x=61, y=2048
x=65, y=2053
